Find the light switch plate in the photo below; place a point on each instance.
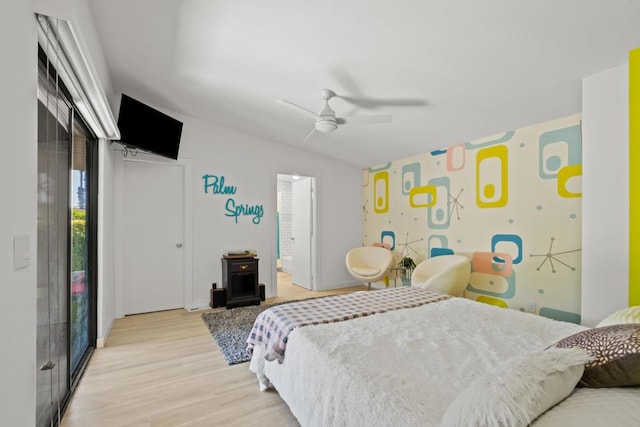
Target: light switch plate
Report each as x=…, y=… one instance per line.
x=21, y=252
x=531, y=307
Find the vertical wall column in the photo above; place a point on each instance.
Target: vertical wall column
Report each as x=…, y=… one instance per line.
x=634, y=177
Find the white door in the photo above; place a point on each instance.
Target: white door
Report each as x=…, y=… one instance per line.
x=302, y=231
x=153, y=236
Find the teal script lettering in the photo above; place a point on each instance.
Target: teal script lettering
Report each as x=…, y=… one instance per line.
x=217, y=185
x=235, y=210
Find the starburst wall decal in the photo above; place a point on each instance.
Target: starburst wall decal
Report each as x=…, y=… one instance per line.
x=454, y=204
x=406, y=246
x=553, y=256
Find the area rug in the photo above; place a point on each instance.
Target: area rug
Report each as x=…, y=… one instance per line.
x=230, y=329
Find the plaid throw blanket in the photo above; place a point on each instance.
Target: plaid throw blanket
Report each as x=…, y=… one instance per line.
x=272, y=326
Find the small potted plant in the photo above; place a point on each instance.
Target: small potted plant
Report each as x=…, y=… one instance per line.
x=408, y=266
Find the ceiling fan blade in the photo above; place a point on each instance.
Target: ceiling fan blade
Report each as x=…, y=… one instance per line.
x=383, y=102
x=372, y=119
x=309, y=136
x=298, y=108
x=359, y=99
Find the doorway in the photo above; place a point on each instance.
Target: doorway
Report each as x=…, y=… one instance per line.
x=295, y=231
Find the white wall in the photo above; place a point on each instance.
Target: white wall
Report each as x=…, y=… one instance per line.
x=18, y=172
x=251, y=164
x=605, y=190
x=106, y=244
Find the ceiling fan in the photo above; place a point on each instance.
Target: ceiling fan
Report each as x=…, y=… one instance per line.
x=326, y=120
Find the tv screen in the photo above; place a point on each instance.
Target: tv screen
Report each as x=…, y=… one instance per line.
x=148, y=129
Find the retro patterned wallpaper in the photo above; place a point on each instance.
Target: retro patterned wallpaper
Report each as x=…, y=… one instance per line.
x=511, y=203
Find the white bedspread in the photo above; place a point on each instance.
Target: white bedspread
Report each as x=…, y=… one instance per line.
x=402, y=367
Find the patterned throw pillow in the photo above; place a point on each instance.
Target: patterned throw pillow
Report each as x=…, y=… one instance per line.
x=616, y=353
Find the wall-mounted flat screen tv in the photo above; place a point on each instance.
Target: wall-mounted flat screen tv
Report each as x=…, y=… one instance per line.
x=148, y=129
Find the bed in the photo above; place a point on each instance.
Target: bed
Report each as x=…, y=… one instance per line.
x=442, y=361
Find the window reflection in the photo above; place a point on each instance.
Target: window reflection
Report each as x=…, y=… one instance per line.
x=79, y=249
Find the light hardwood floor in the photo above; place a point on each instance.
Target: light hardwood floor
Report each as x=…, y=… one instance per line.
x=165, y=369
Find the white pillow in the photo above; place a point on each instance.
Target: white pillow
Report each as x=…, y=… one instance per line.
x=519, y=391
x=626, y=315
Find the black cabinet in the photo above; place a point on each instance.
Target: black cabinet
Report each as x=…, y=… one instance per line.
x=240, y=280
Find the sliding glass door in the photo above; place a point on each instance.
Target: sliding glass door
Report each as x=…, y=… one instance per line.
x=54, y=120
x=66, y=246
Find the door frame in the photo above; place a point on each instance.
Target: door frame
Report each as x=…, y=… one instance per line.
x=119, y=218
x=93, y=261
x=303, y=187
x=314, y=228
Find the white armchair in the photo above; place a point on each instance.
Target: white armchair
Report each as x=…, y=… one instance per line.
x=448, y=274
x=368, y=264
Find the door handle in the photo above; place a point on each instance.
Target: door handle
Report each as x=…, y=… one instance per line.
x=47, y=366
x=179, y=245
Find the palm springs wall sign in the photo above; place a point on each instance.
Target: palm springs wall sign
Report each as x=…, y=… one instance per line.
x=215, y=185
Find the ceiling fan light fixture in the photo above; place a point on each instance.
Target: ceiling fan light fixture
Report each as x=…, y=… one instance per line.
x=326, y=120
x=326, y=125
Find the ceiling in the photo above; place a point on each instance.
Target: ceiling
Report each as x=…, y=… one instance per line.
x=448, y=71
